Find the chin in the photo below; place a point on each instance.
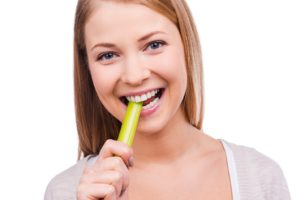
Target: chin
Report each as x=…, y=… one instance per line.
x=152, y=128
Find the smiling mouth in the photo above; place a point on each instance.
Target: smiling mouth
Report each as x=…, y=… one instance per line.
x=147, y=98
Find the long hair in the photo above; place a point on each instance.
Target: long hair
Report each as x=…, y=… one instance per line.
x=94, y=123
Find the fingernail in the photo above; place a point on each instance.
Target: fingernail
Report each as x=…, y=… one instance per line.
x=131, y=161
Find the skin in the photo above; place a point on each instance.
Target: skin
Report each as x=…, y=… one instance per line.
x=172, y=159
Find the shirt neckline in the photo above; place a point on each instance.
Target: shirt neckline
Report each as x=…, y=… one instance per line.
x=231, y=168
x=232, y=171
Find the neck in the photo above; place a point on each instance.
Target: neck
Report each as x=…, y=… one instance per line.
x=167, y=145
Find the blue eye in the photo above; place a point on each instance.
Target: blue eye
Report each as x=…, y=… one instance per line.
x=155, y=45
x=106, y=56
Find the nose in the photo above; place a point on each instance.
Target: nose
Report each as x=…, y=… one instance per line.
x=135, y=71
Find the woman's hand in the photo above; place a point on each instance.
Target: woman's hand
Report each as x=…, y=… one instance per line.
x=108, y=178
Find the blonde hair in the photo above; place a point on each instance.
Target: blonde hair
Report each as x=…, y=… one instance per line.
x=94, y=123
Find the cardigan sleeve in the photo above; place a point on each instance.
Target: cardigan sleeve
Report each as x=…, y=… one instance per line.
x=64, y=185
x=259, y=177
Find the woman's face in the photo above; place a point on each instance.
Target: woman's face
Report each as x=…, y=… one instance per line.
x=134, y=53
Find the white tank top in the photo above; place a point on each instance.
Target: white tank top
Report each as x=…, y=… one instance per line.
x=232, y=171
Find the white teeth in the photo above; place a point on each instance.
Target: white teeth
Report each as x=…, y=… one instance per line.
x=146, y=107
x=149, y=95
x=137, y=99
x=143, y=97
x=150, y=104
x=154, y=101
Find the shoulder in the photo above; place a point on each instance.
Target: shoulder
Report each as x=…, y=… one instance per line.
x=258, y=174
x=63, y=186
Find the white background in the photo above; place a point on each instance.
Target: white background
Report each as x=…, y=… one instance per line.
x=251, y=54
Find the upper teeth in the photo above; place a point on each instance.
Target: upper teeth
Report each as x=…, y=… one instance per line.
x=142, y=97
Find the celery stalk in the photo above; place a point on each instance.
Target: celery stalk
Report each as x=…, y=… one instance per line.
x=130, y=123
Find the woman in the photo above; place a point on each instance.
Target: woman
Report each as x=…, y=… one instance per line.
x=148, y=50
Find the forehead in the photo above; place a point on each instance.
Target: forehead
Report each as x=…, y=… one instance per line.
x=122, y=19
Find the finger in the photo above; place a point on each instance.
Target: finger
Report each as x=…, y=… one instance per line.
x=95, y=191
x=114, y=164
x=112, y=196
x=91, y=173
x=115, y=148
x=111, y=163
x=114, y=178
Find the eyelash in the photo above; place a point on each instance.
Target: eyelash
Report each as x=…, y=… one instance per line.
x=111, y=53
x=159, y=42
x=101, y=56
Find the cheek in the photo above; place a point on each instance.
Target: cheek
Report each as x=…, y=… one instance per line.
x=175, y=73
x=103, y=80
x=172, y=66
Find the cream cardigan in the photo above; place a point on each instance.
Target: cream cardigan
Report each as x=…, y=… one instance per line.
x=253, y=177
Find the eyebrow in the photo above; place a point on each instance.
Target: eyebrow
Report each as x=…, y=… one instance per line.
x=145, y=37
x=150, y=35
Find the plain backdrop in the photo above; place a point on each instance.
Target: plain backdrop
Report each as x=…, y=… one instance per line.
x=251, y=56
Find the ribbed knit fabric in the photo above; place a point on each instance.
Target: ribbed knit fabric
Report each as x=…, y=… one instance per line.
x=259, y=177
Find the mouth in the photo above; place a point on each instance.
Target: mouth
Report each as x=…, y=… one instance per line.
x=148, y=98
